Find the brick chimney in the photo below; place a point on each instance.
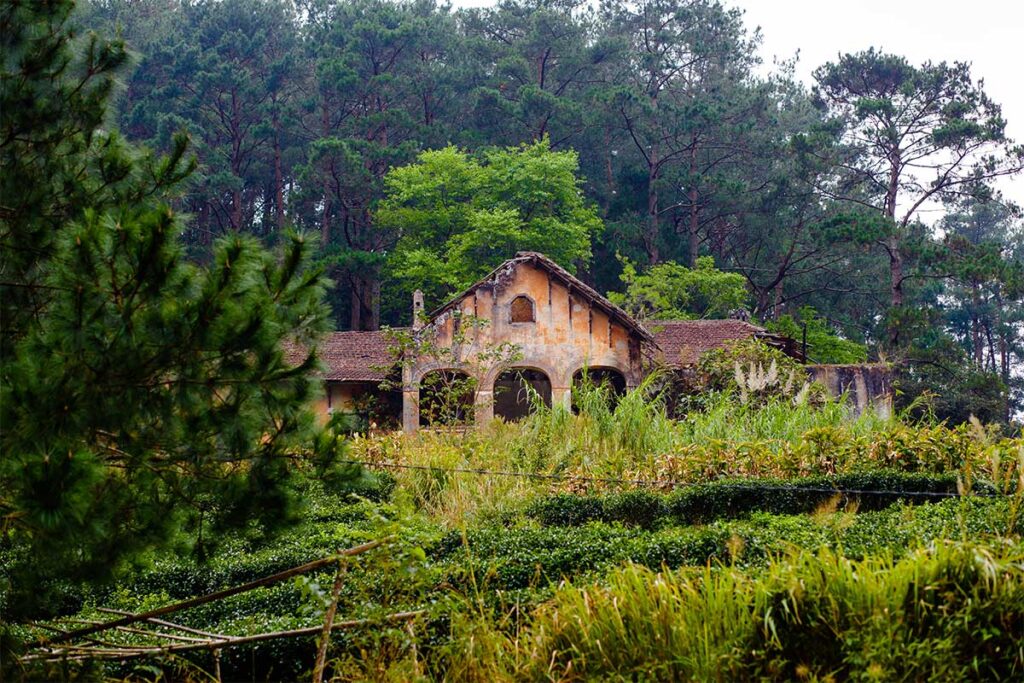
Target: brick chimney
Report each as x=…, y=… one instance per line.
x=417, y=309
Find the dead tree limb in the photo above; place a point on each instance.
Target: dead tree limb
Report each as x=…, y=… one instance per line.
x=325, y=634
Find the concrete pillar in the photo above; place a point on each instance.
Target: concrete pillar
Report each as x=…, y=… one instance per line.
x=410, y=401
x=861, y=394
x=417, y=310
x=484, y=406
x=561, y=396
x=410, y=409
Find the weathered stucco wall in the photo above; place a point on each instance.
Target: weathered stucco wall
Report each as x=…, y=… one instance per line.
x=568, y=334
x=866, y=386
x=365, y=402
x=340, y=397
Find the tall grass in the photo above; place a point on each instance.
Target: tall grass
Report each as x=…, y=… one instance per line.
x=634, y=438
x=604, y=437
x=953, y=612
x=723, y=418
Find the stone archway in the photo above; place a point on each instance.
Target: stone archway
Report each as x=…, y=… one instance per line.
x=446, y=398
x=609, y=380
x=516, y=390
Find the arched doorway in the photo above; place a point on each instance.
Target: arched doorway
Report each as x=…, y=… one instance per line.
x=607, y=381
x=515, y=391
x=446, y=398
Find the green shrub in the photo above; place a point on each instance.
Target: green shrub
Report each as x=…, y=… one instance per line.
x=825, y=345
x=703, y=503
x=865, y=491
x=633, y=508
x=526, y=555
x=566, y=509
x=733, y=367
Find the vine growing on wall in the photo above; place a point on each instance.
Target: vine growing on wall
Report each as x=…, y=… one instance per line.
x=448, y=390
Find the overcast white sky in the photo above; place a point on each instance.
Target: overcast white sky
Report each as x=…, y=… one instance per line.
x=987, y=33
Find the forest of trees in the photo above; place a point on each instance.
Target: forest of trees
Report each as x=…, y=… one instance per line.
x=666, y=138
x=193, y=193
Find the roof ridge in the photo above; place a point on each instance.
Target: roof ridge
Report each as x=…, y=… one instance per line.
x=571, y=281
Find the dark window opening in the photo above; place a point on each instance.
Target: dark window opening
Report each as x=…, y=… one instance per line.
x=517, y=392
x=607, y=383
x=522, y=310
x=356, y=407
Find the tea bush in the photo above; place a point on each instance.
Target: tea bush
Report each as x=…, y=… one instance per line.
x=704, y=503
x=841, y=449
x=487, y=557
x=727, y=441
x=529, y=555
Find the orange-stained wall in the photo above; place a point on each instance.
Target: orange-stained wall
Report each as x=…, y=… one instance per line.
x=568, y=334
x=339, y=397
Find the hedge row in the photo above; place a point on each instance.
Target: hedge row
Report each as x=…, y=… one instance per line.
x=729, y=499
x=529, y=555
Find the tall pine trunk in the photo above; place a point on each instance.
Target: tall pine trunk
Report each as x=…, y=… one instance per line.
x=894, y=247
x=365, y=303
x=355, y=321
x=236, y=210
x=325, y=219
x=653, y=228
x=609, y=171
x=694, y=238
x=895, y=288
x=977, y=343
x=278, y=174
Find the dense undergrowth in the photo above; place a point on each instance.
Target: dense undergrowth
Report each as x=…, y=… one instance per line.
x=636, y=441
x=810, y=546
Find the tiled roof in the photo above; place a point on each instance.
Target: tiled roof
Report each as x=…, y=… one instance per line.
x=683, y=341
x=364, y=357
x=351, y=356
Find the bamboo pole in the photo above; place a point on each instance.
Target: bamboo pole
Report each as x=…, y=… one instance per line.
x=325, y=634
x=141, y=631
x=131, y=652
x=97, y=641
x=168, y=624
x=217, y=595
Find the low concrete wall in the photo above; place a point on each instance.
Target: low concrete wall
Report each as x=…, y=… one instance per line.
x=867, y=386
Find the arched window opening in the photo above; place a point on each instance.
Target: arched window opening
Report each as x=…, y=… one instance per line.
x=603, y=384
x=517, y=391
x=522, y=310
x=446, y=398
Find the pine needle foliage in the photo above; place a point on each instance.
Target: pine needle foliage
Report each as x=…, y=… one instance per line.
x=139, y=393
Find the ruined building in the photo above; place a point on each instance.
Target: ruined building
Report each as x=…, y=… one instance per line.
x=529, y=331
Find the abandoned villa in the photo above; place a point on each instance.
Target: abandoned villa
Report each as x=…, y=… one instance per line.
x=531, y=322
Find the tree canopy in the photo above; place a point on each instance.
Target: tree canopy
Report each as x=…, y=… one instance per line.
x=456, y=216
x=669, y=291
x=682, y=146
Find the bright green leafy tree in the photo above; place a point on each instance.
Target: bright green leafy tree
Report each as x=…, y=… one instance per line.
x=670, y=291
x=824, y=344
x=459, y=216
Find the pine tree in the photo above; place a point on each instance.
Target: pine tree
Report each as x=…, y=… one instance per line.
x=139, y=393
